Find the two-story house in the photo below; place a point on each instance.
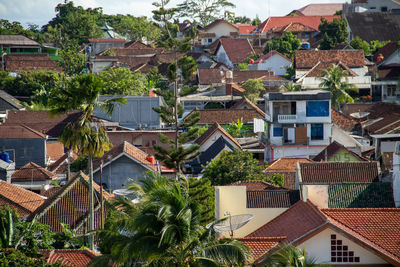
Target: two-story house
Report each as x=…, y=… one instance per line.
x=299, y=123
x=217, y=29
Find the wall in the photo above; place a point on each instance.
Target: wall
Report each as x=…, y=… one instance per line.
x=276, y=152
x=32, y=185
x=319, y=247
x=318, y=194
x=221, y=56
x=345, y=139
x=99, y=47
x=26, y=150
x=116, y=174
x=222, y=29
x=361, y=82
x=233, y=199
x=276, y=63
x=343, y=155
x=100, y=65
x=390, y=4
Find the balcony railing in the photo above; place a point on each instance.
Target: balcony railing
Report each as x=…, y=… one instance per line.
x=287, y=118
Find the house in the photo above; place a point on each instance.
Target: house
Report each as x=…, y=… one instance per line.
x=371, y=26
x=245, y=30
x=27, y=62
x=25, y=202
x=8, y=102
x=367, y=237
x=310, y=64
x=325, y=9
x=99, y=45
x=299, y=123
x=337, y=152
x=15, y=43
x=212, y=143
x=7, y=167
x=60, y=166
x=273, y=62
x=68, y=257
x=137, y=113
x=233, y=52
x=121, y=163
x=262, y=200
x=33, y=177
x=23, y=144
x=307, y=35
x=70, y=205
x=372, y=6
x=217, y=29
x=286, y=167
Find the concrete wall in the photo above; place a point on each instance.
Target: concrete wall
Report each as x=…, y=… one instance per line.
x=319, y=247
x=276, y=152
x=116, y=174
x=233, y=199
x=26, y=150
x=276, y=63
x=99, y=47
x=221, y=56
x=220, y=29
x=318, y=194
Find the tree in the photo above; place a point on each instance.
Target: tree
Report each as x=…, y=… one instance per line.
x=121, y=81
x=286, y=45
x=288, y=255
x=235, y=128
x=202, y=192
x=276, y=179
x=188, y=67
x=256, y=21
x=11, y=257
x=333, y=33
x=237, y=165
x=358, y=43
x=291, y=87
x=205, y=11
x=164, y=229
x=72, y=62
x=84, y=136
x=376, y=45
x=242, y=20
x=335, y=80
x=253, y=88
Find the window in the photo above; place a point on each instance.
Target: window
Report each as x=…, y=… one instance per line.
x=317, y=109
x=340, y=252
x=391, y=90
x=209, y=40
x=317, y=131
x=278, y=132
x=384, y=9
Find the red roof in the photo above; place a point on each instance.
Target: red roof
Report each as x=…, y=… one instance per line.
x=325, y=9
x=310, y=21
x=105, y=40
x=245, y=28
x=32, y=172
x=69, y=257
x=270, y=54
x=260, y=245
x=19, y=131
x=285, y=165
x=237, y=49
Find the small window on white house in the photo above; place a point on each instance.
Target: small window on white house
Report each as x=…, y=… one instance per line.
x=209, y=40
x=391, y=90
x=384, y=9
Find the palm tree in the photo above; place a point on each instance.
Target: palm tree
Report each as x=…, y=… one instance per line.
x=288, y=255
x=335, y=80
x=164, y=229
x=290, y=87
x=84, y=135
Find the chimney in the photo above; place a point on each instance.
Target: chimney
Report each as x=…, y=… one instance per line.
x=229, y=82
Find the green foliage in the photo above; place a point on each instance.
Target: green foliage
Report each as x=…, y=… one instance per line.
x=242, y=20
x=164, y=229
x=15, y=27
x=80, y=164
x=333, y=33
x=205, y=11
x=243, y=66
x=188, y=67
x=256, y=21
x=235, y=128
x=202, y=192
x=376, y=45
x=358, y=43
x=229, y=167
x=291, y=87
x=154, y=79
x=335, y=80
x=285, y=45
x=253, y=88
x=71, y=62
x=121, y=81
x=290, y=72
x=288, y=255
x=11, y=258
x=67, y=239
x=200, y=130
x=276, y=179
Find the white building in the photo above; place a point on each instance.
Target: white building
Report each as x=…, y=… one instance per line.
x=272, y=61
x=217, y=29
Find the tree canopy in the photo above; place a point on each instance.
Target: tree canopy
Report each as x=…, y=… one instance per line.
x=333, y=33
x=286, y=45
x=253, y=88
x=121, y=81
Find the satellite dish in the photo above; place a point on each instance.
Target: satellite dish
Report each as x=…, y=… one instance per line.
x=359, y=115
x=232, y=223
x=122, y=192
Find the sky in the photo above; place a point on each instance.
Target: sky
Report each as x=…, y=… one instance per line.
x=41, y=11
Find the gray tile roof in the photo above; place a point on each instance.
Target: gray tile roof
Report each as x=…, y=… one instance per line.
x=10, y=39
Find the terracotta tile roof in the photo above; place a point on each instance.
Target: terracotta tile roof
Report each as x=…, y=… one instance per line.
x=69, y=257
x=237, y=49
x=51, y=191
x=226, y=116
x=107, y=40
x=240, y=77
x=338, y=172
x=137, y=45
x=32, y=172
x=270, y=54
x=285, y=165
x=348, y=109
x=27, y=62
x=60, y=165
x=310, y=21
x=245, y=103
x=41, y=121
x=19, y=131
x=129, y=150
x=318, y=69
x=342, y=121
x=332, y=149
x=210, y=76
x=306, y=59
x=70, y=205
x=293, y=27
x=377, y=228
x=259, y=245
x=360, y=195
x=256, y=185
x=326, y=9
x=217, y=21
x=210, y=131
x=272, y=198
x=245, y=28
x=386, y=51
x=24, y=201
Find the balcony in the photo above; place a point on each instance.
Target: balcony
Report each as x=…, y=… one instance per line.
x=287, y=118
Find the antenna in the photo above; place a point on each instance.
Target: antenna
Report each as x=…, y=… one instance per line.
x=232, y=223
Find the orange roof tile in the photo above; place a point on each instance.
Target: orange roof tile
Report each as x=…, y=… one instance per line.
x=24, y=201
x=19, y=131
x=237, y=49
x=285, y=165
x=245, y=28
x=256, y=185
x=307, y=59
x=260, y=245
x=226, y=116
x=69, y=257
x=246, y=102
x=32, y=172
x=210, y=131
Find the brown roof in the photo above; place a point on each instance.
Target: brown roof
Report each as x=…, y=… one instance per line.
x=237, y=49
x=259, y=245
x=40, y=120
x=68, y=257
x=386, y=51
x=210, y=131
x=326, y=9
x=18, y=40
x=210, y=76
x=60, y=165
x=240, y=77
x=137, y=45
x=294, y=27
x=129, y=150
x=285, y=165
x=32, y=172
x=306, y=59
x=245, y=28
x=343, y=122
x=245, y=103
x=24, y=201
x=318, y=69
x=226, y=116
x=272, y=198
x=310, y=21
x=70, y=205
x=256, y=185
x=332, y=149
x=107, y=40
x=338, y=172
x=19, y=131
x=217, y=21
x=27, y=62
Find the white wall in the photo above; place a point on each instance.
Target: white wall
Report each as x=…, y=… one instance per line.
x=345, y=139
x=276, y=63
x=319, y=246
x=294, y=151
x=221, y=56
x=318, y=194
x=220, y=30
